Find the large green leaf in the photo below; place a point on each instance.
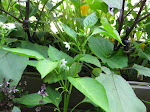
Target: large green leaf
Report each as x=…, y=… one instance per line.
x=87, y=100
x=103, y=48
x=114, y=3
x=101, y=31
x=120, y=94
x=39, y=48
x=110, y=29
x=45, y=67
x=148, y=27
x=144, y=54
x=56, y=55
x=25, y=52
x=90, y=20
x=32, y=99
x=11, y=66
x=69, y=31
x=142, y=70
x=91, y=89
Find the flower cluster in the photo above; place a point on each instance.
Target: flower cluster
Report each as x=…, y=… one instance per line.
x=6, y=103
x=42, y=91
x=63, y=64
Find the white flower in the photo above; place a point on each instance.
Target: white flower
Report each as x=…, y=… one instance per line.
x=67, y=45
x=9, y=26
x=40, y=7
x=1, y=23
x=32, y=19
x=63, y=63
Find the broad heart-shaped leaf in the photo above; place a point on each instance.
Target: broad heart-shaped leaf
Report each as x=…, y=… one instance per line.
x=114, y=3
x=56, y=55
x=110, y=30
x=92, y=89
x=39, y=48
x=69, y=31
x=11, y=66
x=120, y=95
x=45, y=67
x=32, y=99
x=25, y=52
x=103, y=48
x=16, y=109
x=142, y=70
x=89, y=59
x=90, y=20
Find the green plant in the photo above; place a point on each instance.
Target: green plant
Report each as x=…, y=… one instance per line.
x=86, y=41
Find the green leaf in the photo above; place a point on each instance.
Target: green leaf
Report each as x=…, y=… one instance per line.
x=103, y=48
x=32, y=99
x=16, y=109
x=90, y=20
x=69, y=31
x=11, y=66
x=144, y=54
x=54, y=96
x=120, y=95
x=3, y=18
x=49, y=5
x=98, y=5
x=91, y=89
x=35, y=47
x=142, y=70
x=45, y=67
x=101, y=31
x=90, y=59
x=77, y=4
x=54, y=77
x=114, y=3
x=110, y=30
x=56, y=55
x=25, y=52
x=87, y=100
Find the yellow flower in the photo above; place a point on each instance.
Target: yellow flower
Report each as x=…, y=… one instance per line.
x=142, y=46
x=84, y=10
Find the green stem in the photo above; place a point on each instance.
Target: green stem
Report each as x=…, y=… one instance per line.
x=75, y=106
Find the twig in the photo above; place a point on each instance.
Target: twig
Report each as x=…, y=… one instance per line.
x=120, y=20
x=11, y=15
x=125, y=69
x=135, y=22
x=20, y=9
x=132, y=9
x=143, y=18
x=39, y=19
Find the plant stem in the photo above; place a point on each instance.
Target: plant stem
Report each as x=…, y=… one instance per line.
x=132, y=9
x=39, y=19
x=75, y=106
x=11, y=15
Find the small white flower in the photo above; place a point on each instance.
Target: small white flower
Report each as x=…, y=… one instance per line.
x=40, y=7
x=9, y=26
x=32, y=19
x=67, y=45
x=67, y=68
x=63, y=63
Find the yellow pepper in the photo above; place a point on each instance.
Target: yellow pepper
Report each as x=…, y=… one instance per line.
x=142, y=46
x=84, y=10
